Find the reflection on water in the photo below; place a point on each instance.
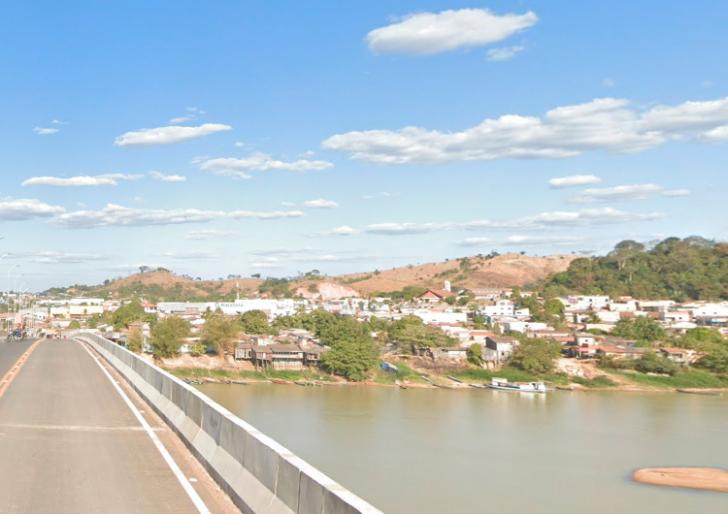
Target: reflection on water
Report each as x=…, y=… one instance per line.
x=436, y=451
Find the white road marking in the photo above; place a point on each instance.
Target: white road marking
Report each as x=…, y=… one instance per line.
x=194, y=497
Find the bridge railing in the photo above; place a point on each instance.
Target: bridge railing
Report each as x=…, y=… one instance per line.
x=259, y=475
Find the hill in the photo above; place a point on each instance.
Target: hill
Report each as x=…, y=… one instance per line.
x=693, y=268
x=508, y=270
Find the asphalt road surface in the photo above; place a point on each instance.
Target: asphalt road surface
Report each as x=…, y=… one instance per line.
x=70, y=444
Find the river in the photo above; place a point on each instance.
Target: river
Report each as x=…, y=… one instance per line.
x=476, y=451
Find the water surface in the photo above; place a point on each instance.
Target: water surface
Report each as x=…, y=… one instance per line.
x=442, y=451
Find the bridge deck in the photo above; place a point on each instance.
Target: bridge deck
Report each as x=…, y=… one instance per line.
x=70, y=443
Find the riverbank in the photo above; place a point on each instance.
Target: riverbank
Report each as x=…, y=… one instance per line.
x=709, y=479
x=467, y=378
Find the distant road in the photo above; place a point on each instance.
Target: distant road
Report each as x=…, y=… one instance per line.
x=70, y=444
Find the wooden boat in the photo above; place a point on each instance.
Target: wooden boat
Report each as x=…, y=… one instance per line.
x=502, y=384
x=280, y=381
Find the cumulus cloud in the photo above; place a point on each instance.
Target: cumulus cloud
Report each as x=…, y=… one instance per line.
x=607, y=124
x=51, y=257
x=164, y=177
x=320, y=203
x=626, y=192
x=45, y=131
x=344, y=230
x=168, y=135
x=432, y=33
x=259, y=161
x=23, y=209
x=574, y=180
x=717, y=134
x=584, y=217
x=505, y=53
x=79, y=181
x=117, y=215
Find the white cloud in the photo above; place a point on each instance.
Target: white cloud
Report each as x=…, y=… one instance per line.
x=607, y=82
x=117, y=215
x=584, y=217
x=505, y=53
x=59, y=122
x=626, y=192
x=676, y=193
x=717, y=134
x=46, y=131
x=203, y=235
x=241, y=167
x=344, y=230
x=381, y=194
x=168, y=135
x=574, y=180
x=320, y=203
x=109, y=179
x=23, y=209
x=50, y=257
x=266, y=215
x=432, y=33
x=158, y=175
x=306, y=255
x=79, y=181
x=181, y=119
x=524, y=240
x=475, y=241
x=606, y=124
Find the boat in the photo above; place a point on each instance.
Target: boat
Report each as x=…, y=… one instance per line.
x=502, y=384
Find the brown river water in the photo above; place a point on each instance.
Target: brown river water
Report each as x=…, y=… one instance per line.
x=476, y=451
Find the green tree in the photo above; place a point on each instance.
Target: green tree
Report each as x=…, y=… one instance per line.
x=255, y=322
x=135, y=340
x=650, y=362
x=475, y=354
x=220, y=333
x=410, y=332
x=352, y=357
x=74, y=325
x=701, y=338
x=536, y=356
x=715, y=360
x=167, y=336
x=640, y=329
x=127, y=314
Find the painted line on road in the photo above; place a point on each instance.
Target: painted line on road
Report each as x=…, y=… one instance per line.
x=194, y=497
x=13, y=372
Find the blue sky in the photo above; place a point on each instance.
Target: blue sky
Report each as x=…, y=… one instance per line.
x=288, y=136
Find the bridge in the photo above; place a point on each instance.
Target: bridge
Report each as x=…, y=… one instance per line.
x=88, y=427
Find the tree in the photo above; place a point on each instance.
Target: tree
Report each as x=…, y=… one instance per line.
x=640, y=329
x=220, y=333
x=167, y=336
x=716, y=360
x=536, y=356
x=255, y=322
x=475, y=354
x=701, y=338
x=352, y=357
x=74, y=325
x=128, y=313
x=135, y=340
x=410, y=332
x=650, y=362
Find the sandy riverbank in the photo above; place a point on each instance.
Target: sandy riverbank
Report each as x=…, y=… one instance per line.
x=710, y=479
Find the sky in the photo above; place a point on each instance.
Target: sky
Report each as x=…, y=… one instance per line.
x=231, y=137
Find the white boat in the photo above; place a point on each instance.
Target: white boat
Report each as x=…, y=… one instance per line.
x=502, y=384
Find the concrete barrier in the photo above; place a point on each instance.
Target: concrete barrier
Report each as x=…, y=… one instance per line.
x=260, y=475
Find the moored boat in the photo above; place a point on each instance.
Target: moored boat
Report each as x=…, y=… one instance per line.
x=502, y=384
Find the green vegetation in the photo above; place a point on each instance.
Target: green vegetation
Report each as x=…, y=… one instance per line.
x=276, y=287
x=650, y=362
x=535, y=356
x=135, y=339
x=130, y=313
x=410, y=332
x=689, y=378
x=219, y=333
x=641, y=329
x=600, y=381
x=475, y=354
x=406, y=294
x=74, y=325
x=233, y=374
x=403, y=373
x=352, y=352
x=167, y=336
x=689, y=269
x=255, y=323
